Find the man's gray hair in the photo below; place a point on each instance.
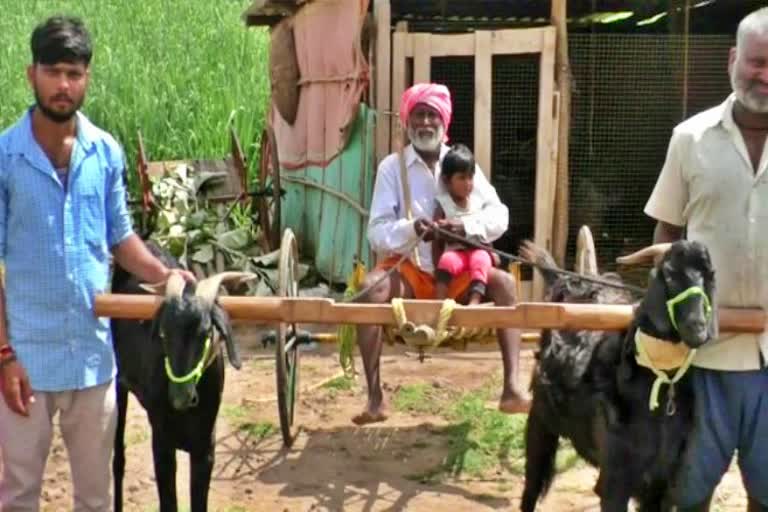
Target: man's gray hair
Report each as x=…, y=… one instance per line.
x=754, y=23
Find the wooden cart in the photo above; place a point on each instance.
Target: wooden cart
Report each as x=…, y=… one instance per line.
x=287, y=311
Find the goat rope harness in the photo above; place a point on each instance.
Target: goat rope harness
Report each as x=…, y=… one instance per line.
x=197, y=372
x=680, y=359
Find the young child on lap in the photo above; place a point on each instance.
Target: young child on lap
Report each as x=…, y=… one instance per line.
x=454, y=201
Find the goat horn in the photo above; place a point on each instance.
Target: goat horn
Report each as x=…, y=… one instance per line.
x=208, y=288
x=651, y=253
x=173, y=287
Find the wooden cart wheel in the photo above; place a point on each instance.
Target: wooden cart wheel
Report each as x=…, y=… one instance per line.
x=269, y=178
x=287, y=356
x=586, y=255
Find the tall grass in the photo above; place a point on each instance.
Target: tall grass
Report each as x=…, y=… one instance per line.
x=178, y=70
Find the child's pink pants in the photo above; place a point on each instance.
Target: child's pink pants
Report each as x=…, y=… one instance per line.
x=476, y=261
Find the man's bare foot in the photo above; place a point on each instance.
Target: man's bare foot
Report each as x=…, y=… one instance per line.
x=515, y=403
x=371, y=415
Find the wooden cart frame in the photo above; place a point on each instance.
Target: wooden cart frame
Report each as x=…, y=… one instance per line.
x=288, y=311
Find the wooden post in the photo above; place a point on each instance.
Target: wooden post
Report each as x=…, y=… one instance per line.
x=383, y=68
x=399, y=39
x=422, y=57
x=545, y=170
x=483, y=100
x=563, y=76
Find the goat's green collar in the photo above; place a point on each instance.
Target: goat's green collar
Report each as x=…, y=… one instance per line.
x=680, y=360
x=682, y=297
x=196, y=373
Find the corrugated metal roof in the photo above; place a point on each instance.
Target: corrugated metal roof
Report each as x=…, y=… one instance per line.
x=515, y=9
x=707, y=16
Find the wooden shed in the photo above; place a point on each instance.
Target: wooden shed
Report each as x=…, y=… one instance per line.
x=568, y=109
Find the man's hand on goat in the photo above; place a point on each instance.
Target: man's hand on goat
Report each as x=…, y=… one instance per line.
x=16, y=389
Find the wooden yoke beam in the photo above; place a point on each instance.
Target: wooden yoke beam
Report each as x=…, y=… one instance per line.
x=531, y=315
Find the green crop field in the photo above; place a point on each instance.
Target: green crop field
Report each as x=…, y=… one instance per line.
x=181, y=71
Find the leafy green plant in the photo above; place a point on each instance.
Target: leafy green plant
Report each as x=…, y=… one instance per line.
x=210, y=237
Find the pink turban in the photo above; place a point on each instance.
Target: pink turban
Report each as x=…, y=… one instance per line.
x=436, y=96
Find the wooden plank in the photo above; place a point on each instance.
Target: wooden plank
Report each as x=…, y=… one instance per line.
x=507, y=41
x=326, y=311
x=446, y=46
x=383, y=66
x=521, y=40
x=422, y=58
x=483, y=106
x=399, y=38
x=545, y=171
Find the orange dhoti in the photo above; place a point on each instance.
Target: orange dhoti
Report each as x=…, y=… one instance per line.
x=423, y=283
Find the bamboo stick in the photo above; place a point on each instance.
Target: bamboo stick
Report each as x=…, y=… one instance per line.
x=563, y=73
x=532, y=315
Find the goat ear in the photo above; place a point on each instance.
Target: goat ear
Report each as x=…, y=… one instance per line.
x=220, y=319
x=655, y=305
x=626, y=361
x=155, y=333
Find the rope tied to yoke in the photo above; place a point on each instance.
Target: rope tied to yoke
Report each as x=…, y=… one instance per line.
x=423, y=337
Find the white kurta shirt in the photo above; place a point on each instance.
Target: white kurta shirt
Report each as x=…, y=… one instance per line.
x=390, y=233
x=708, y=184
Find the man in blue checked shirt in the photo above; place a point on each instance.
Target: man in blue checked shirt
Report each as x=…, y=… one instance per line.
x=62, y=211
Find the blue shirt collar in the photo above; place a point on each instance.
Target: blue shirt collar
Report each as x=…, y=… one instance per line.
x=22, y=137
x=22, y=141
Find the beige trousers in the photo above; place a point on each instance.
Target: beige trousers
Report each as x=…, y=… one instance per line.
x=87, y=420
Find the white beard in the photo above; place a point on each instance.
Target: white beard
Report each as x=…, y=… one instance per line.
x=426, y=139
x=751, y=101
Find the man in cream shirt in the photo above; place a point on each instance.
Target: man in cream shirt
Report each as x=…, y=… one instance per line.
x=425, y=111
x=714, y=185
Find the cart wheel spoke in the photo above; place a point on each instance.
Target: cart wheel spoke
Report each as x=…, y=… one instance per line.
x=269, y=179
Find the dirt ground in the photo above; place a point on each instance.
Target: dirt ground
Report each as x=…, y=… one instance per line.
x=335, y=465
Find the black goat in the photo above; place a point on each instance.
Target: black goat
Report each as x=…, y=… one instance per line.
x=589, y=387
x=173, y=365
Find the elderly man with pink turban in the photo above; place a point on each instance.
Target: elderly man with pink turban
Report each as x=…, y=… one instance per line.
x=394, y=228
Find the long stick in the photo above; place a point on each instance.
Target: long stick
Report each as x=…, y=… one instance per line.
x=563, y=73
x=530, y=315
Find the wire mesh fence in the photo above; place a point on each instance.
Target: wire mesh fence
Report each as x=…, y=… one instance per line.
x=629, y=91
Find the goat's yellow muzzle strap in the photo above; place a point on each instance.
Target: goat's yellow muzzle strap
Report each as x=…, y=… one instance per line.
x=196, y=373
x=682, y=297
